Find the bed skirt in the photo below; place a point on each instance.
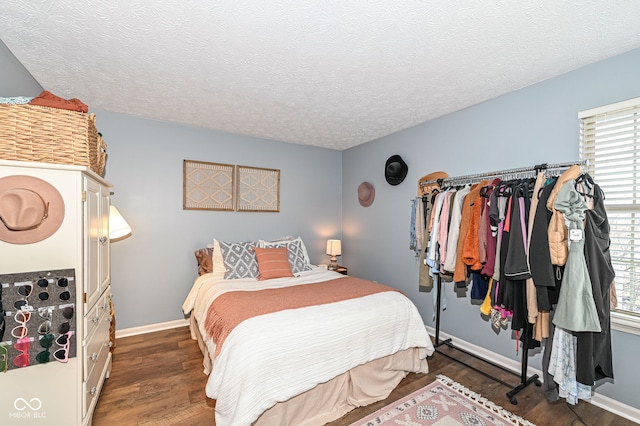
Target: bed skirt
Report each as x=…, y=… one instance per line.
x=360, y=386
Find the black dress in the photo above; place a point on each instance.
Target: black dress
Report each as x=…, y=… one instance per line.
x=593, y=350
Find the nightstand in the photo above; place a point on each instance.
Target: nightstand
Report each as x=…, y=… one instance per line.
x=343, y=270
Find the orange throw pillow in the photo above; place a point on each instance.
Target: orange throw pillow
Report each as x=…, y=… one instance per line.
x=273, y=263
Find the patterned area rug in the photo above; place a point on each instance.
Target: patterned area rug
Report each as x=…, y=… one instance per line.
x=442, y=403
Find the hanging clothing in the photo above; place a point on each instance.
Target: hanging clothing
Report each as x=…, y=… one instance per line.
x=479, y=286
x=557, y=230
x=549, y=386
x=443, y=226
x=413, y=226
x=510, y=293
x=498, y=216
x=539, y=253
x=487, y=303
x=425, y=278
x=516, y=266
x=576, y=309
x=454, y=228
x=433, y=253
x=460, y=272
x=593, y=350
x=562, y=367
x=532, y=301
x=471, y=243
x=488, y=230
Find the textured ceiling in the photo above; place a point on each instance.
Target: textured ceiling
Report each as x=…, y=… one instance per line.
x=328, y=73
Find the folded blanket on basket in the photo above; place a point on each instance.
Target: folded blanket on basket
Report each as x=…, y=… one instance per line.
x=48, y=99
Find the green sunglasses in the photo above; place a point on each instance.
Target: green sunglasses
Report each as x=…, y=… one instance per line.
x=4, y=358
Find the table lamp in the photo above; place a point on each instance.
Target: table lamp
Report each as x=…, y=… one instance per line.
x=334, y=248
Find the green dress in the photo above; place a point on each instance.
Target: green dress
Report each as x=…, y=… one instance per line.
x=576, y=308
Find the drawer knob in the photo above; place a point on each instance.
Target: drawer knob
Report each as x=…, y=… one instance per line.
x=93, y=390
x=94, y=356
x=96, y=319
x=103, y=239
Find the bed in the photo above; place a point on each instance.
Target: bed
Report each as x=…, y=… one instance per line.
x=314, y=344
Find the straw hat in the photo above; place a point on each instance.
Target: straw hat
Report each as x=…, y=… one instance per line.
x=31, y=209
x=366, y=194
x=426, y=189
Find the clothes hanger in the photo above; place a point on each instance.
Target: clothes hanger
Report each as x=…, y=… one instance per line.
x=585, y=180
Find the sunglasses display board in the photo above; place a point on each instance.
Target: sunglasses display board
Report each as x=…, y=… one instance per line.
x=38, y=318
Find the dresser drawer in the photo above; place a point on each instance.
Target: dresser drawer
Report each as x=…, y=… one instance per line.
x=95, y=345
x=91, y=321
x=96, y=314
x=104, y=304
x=92, y=386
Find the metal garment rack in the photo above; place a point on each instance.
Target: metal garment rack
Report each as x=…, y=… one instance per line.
x=510, y=174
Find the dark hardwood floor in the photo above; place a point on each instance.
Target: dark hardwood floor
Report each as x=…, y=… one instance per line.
x=157, y=379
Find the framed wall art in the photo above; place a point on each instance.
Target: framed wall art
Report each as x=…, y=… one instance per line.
x=208, y=186
x=258, y=189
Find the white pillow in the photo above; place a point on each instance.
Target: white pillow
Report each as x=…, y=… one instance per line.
x=218, y=262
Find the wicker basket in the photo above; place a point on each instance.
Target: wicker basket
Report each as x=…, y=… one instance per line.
x=51, y=135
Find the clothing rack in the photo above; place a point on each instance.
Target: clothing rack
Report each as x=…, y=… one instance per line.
x=509, y=174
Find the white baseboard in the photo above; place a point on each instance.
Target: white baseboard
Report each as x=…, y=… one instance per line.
x=604, y=402
x=134, y=331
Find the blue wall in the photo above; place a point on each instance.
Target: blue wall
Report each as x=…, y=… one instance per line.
x=534, y=125
x=153, y=270
x=14, y=78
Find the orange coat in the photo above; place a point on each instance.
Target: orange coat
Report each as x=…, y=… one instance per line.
x=471, y=246
x=460, y=272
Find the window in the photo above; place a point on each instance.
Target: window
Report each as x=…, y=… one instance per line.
x=610, y=142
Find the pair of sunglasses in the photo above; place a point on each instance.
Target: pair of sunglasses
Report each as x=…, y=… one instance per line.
x=25, y=291
x=4, y=358
x=3, y=323
x=64, y=283
x=63, y=341
x=44, y=284
x=22, y=346
x=22, y=318
x=46, y=342
x=47, y=315
x=67, y=313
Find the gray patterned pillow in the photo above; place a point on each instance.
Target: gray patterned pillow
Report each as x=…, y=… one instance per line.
x=297, y=253
x=239, y=260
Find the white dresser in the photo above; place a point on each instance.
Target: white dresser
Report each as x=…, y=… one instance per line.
x=75, y=259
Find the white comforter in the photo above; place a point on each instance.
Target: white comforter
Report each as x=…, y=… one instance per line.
x=271, y=358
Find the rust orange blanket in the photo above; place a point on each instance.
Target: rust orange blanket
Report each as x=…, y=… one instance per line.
x=230, y=309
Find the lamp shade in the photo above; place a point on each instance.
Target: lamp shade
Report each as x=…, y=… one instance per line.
x=118, y=227
x=334, y=247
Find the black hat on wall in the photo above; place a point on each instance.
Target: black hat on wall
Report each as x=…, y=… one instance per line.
x=395, y=170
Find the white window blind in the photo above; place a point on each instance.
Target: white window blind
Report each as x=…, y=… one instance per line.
x=610, y=142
